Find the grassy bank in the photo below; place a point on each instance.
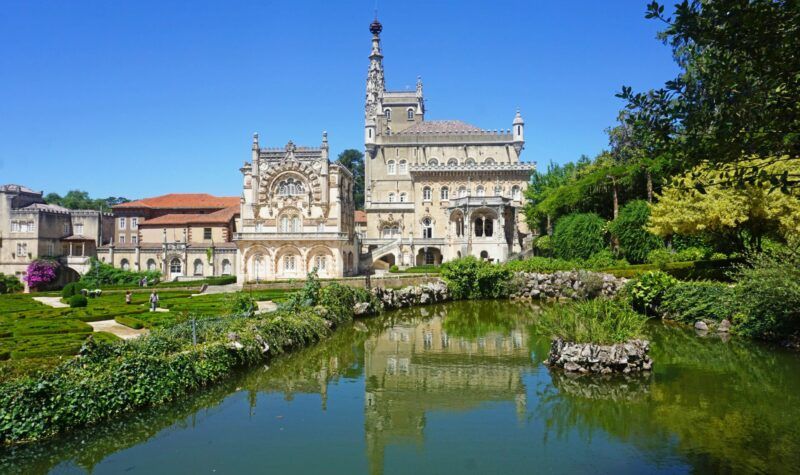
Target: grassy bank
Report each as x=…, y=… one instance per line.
x=108, y=379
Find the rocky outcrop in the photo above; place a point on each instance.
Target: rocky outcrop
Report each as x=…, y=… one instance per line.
x=629, y=357
x=565, y=285
x=433, y=292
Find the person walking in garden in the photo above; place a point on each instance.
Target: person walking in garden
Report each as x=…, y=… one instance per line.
x=153, y=301
x=128, y=297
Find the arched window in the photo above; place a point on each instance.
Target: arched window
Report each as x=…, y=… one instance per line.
x=391, y=197
x=388, y=113
x=462, y=191
x=290, y=224
x=402, y=168
x=515, y=192
x=403, y=197
x=198, y=267
x=290, y=263
x=470, y=161
x=433, y=161
x=284, y=224
x=452, y=161
x=445, y=193
x=427, y=228
x=151, y=265
x=498, y=190
x=291, y=187
x=426, y=193
x=175, y=266
x=321, y=263
x=484, y=255
x=480, y=191
x=295, y=224
x=226, y=267
x=489, y=161
x=390, y=167
x=410, y=114
x=124, y=264
x=479, y=227
x=484, y=226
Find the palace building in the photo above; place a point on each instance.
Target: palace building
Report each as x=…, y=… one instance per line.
x=437, y=189
x=297, y=214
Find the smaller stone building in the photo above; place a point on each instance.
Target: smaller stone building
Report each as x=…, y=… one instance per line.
x=183, y=236
x=30, y=229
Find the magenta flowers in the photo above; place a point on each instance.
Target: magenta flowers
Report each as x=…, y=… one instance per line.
x=41, y=272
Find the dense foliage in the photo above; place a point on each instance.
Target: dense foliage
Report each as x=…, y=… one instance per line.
x=77, y=199
x=591, y=321
x=767, y=296
x=647, y=292
x=353, y=160
x=78, y=301
x=691, y=301
x=9, y=284
x=635, y=243
x=470, y=278
x=101, y=274
x=578, y=236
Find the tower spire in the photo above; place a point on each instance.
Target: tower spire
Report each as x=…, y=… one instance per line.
x=375, y=82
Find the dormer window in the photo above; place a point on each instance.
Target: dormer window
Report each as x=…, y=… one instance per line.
x=410, y=114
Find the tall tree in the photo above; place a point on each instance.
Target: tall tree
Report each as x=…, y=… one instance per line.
x=354, y=161
x=738, y=91
x=77, y=199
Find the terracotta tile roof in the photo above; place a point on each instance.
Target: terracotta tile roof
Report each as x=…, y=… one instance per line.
x=361, y=216
x=440, y=127
x=223, y=216
x=183, y=200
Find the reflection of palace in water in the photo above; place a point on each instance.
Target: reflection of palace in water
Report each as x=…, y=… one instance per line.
x=415, y=367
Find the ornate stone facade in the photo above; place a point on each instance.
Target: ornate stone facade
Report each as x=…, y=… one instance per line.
x=437, y=190
x=297, y=214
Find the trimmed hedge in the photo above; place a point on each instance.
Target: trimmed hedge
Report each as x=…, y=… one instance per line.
x=77, y=301
x=130, y=322
x=717, y=270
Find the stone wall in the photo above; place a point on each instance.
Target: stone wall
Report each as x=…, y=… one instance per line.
x=565, y=285
x=433, y=292
x=631, y=356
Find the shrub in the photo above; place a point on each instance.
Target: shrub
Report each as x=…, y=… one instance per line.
x=101, y=274
x=544, y=244
x=635, y=243
x=578, y=236
x=470, y=278
x=691, y=254
x=541, y=264
x=591, y=321
x=130, y=322
x=660, y=257
x=41, y=272
x=78, y=301
x=691, y=301
x=240, y=303
x=9, y=284
x=602, y=259
x=221, y=280
x=646, y=292
x=394, y=268
x=767, y=296
x=69, y=290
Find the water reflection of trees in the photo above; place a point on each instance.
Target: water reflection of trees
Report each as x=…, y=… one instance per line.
x=730, y=407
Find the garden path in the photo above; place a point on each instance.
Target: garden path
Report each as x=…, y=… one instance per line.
x=121, y=331
x=51, y=301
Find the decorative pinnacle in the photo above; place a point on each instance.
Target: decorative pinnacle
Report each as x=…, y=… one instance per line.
x=375, y=27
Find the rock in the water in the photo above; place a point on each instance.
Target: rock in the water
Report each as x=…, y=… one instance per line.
x=629, y=357
x=361, y=308
x=700, y=325
x=724, y=326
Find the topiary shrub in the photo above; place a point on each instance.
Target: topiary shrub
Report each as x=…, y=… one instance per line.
x=69, y=290
x=77, y=301
x=578, y=236
x=635, y=243
x=394, y=268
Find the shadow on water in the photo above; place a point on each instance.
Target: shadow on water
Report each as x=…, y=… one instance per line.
x=710, y=405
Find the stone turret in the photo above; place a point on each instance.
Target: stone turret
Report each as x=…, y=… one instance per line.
x=518, y=133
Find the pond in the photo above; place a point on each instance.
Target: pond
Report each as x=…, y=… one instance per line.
x=460, y=388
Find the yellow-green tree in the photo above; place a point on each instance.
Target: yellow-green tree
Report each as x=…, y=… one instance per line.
x=695, y=203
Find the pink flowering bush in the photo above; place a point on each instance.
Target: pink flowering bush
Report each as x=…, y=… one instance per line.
x=41, y=272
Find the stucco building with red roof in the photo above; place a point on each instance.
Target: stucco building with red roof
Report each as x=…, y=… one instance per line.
x=181, y=235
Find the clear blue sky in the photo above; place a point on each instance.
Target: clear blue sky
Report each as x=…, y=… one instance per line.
x=141, y=98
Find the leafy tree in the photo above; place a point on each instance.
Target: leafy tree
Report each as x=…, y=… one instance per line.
x=691, y=205
x=635, y=243
x=77, y=199
x=354, y=161
x=737, y=93
x=578, y=236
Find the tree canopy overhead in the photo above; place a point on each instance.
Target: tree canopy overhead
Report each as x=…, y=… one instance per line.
x=738, y=93
x=77, y=199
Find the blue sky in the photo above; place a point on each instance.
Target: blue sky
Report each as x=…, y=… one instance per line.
x=149, y=97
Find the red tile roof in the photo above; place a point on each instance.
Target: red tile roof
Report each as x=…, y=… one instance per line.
x=361, y=216
x=183, y=201
x=223, y=216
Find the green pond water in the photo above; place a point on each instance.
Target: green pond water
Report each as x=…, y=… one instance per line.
x=460, y=388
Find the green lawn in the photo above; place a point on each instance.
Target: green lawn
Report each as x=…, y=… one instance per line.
x=29, y=329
